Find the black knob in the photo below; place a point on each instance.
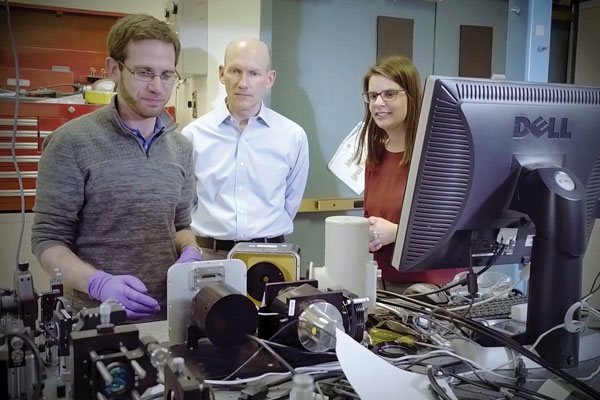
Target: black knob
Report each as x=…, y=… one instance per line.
x=23, y=266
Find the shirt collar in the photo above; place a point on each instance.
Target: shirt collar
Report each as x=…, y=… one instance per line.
x=223, y=113
x=158, y=125
x=263, y=114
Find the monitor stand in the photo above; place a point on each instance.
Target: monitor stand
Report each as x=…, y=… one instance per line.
x=554, y=200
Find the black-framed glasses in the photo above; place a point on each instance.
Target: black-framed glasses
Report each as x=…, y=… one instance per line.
x=386, y=95
x=145, y=75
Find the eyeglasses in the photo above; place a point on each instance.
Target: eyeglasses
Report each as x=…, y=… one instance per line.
x=144, y=75
x=386, y=95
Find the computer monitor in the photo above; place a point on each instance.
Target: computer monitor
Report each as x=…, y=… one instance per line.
x=492, y=154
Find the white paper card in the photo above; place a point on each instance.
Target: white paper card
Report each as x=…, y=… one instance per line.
x=344, y=167
x=374, y=378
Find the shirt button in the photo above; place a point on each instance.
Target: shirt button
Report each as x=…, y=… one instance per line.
x=239, y=188
x=241, y=211
x=242, y=164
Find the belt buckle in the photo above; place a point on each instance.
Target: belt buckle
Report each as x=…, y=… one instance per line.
x=214, y=245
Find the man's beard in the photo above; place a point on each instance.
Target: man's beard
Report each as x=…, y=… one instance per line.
x=135, y=106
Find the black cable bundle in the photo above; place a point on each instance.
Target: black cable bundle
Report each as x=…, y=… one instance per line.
x=505, y=341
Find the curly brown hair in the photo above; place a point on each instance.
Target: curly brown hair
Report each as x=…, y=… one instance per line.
x=402, y=71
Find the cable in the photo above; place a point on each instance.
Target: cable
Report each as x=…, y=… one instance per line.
x=586, y=306
x=429, y=356
x=294, y=349
x=489, y=265
x=14, y=133
x=590, y=309
x=472, y=288
x=318, y=369
x=239, y=382
x=319, y=389
x=437, y=353
x=238, y=369
x=509, y=342
x=592, y=290
x=288, y=378
x=496, y=386
x=489, y=299
x=255, y=354
x=339, y=386
x=474, y=372
x=418, y=302
x=543, y=335
x=468, y=307
x=569, y=326
x=434, y=386
x=273, y=353
x=591, y=376
x=460, y=334
x=483, y=383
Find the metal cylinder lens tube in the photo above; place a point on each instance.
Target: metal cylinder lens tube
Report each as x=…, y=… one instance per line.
x=224, y=315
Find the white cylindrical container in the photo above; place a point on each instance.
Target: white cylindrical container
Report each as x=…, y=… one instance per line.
x=347, y=252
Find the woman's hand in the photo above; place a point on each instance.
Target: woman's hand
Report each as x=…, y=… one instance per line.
x=383, y=232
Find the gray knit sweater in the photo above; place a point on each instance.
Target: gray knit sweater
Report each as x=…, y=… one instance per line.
x=116, y=207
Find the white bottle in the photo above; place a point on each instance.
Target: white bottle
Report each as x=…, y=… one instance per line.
x=302, y=387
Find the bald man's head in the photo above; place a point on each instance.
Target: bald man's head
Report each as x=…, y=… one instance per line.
x=247, y=75
x=257, y=48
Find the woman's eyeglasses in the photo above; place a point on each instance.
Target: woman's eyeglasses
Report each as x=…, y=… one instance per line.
x=386, y=95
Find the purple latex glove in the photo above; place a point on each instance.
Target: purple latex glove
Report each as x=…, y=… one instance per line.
x=126, y=289
x=189, y=254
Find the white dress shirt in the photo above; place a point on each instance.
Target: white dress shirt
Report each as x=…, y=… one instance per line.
x=249, y=183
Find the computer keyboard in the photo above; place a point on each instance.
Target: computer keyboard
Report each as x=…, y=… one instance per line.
x=497, y=308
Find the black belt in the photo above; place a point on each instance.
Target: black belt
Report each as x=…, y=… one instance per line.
x=226, y=245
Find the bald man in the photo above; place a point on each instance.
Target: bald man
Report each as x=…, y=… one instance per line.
x=251, y=163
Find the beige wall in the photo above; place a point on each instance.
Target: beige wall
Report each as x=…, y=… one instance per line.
x=588, y=35
x=591, y=264
x=227, y=20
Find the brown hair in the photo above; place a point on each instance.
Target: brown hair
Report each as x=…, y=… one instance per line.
x=139, y=27
x=402, y=71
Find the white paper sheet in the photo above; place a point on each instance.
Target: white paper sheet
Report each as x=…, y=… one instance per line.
x=374, y=378
x=342, y=165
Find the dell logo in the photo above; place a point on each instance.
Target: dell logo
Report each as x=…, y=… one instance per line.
x=523, y=127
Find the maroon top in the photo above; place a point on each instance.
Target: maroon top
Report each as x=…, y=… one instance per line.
x=385, y=183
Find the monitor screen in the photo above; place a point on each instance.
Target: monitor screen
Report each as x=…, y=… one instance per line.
x=498, y=154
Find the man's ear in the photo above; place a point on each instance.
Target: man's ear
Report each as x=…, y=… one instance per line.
x=222, y=74
x=271, y=75
x=112, y=68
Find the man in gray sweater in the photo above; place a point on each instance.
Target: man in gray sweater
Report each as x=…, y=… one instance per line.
x=115, y=187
